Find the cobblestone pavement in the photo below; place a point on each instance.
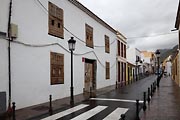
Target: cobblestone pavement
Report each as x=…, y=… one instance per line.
x=165, y=104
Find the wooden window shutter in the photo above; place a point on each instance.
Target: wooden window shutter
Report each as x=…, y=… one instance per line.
x=107, y=47
x=57, y=68
x=89, y=36
x=56, y=16
x=118, y=47
x=124, y=51
x=107, y=70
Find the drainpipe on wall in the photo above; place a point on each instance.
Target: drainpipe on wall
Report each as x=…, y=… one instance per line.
x=9, y=55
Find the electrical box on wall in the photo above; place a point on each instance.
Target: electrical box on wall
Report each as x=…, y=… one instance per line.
x=14, y=30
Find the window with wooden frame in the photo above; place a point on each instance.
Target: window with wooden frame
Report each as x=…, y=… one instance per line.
x=56, y=21
x=122, y=49
x=89, y=36
x=107, y=70
x=118, y=47
x=57, y=68
x=107, y=47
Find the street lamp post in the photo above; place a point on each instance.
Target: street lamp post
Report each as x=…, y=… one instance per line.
x=71, y=44
x=158, y=77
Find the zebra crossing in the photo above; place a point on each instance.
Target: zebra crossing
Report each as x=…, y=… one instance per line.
x=114, y=115
x=66, y=112
x=90, y=113
x=118, y=100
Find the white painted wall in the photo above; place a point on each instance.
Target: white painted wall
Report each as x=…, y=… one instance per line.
x=168, y=67
x=4, y=10
x=131, y=56
x=3, y=65
x=132, y=53
x=31, y=65
x=146, y=59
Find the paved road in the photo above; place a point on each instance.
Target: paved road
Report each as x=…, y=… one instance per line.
x=108, y=106
x=165, y=104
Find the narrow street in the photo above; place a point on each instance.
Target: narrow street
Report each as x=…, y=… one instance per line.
x=108, y=106
x=165, y=102
x=76, y=60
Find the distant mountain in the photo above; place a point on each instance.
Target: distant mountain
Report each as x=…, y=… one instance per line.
x=166, y=52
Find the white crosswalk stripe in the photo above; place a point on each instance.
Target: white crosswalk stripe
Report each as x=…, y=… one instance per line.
x=118, y=100
x=90, y=113
x=66, y=112
x=115, y=115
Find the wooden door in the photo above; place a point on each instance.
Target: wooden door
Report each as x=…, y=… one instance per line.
x=128, y=75
x=119, y=77
x=88, y=77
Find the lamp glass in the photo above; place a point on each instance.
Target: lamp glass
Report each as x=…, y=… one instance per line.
x=71, y=44
x=157, y=53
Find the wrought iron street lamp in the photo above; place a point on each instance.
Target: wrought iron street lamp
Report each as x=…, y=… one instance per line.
x=158, y=56
x=71, y=44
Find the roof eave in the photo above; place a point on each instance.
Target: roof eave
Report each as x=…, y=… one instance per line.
x=178, y=17
x=91, y=14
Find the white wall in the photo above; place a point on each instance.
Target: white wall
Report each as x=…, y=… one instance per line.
x=4, y=13
x=146, y=59
x=168, y=67
x=3, y=66
x=132, y=53
x=31, y=65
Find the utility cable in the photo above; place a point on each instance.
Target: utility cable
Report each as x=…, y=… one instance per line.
x=57, y=44
x=112, y=41
x=75, y=37
x=69, y=30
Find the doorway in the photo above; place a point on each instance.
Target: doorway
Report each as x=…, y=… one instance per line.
x=128, y=75
x=119, y=76
x=90, y=78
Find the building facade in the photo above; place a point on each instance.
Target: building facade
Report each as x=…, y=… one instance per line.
x=176, y=58
x=175, y=69
x=134, y=57
x=38, y=61
x=121, y=59
x=167, y=65
x=130, y=76
x=147, y=58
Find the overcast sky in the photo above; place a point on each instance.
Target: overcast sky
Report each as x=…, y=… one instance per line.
x=137, y=18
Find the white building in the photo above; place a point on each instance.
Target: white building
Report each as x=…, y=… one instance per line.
x=121, y=59
x=133, y=54
x=40, y=57
x=168, y=67
x=147, y=58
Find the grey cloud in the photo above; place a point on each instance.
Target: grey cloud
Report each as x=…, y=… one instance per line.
x=139, y=18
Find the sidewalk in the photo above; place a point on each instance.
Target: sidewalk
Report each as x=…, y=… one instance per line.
x=165, y=103
x=33, y=111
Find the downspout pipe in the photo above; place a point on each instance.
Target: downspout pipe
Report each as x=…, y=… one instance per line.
x=9, y=55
